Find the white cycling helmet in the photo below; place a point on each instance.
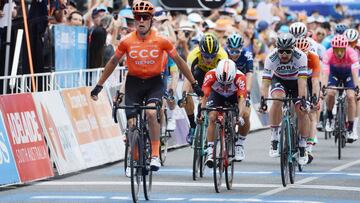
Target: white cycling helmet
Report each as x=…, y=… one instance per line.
x=352, y=35
x=298, y=29
x=225, y=71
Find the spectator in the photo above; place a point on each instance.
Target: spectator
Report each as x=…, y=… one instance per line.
x=75, y=18
x=185, y=33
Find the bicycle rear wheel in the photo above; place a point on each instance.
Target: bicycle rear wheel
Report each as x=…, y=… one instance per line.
x=135, y=163
x=218, y=166
x=284, y=152
x=229, y=169
x=197, y=156
x=147, y=173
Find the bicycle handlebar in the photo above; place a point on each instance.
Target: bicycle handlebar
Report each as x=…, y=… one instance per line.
x=219, y=109
x=338, y=88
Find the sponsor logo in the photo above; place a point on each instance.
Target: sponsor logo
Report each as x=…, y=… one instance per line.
x=144, y=54
x=285, y=67
x=24, y=127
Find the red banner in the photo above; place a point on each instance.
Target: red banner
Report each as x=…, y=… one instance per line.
x=26, y=137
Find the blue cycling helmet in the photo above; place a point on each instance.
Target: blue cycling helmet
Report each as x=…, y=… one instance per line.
x=340, y=28
x=235, y=41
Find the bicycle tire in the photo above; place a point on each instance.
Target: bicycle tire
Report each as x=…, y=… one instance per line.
x=163, y=148
x=196, y=153
x=294, y=143
x=340, y=130
x=229, y=166
x=135, y=164
x=284, y=154
x=147, y=173
x=218, y=166
x=127, y=154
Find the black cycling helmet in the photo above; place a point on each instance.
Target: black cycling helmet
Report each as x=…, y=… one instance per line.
x=285, y=41
x=209, y=44
x=340, y=28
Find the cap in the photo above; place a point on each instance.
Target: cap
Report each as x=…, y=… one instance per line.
x=320, y=19
x=222, y=24
x=262, y=25
x=311, y=19
x=195, y=18
x=230, y=3
x=283, y=29
x=186, y=25
x=251, y=14
x=126, y=13
x=99, y=9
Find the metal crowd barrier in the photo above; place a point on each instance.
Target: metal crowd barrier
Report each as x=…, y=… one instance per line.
x=58, y=80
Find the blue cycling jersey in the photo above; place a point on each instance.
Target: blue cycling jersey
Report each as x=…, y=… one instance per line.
x=245, y=61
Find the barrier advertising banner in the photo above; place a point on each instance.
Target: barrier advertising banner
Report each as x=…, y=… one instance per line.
x=8, y=171
x=112, y=137
x=26, y=137
x=64, y=149
x=86, y=127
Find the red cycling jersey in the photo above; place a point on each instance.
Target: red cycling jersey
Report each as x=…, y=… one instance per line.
x=145, y=57
x=238, y=86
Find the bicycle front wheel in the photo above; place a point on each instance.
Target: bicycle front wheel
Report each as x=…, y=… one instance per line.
x=284, y=152
x=340, y=130
x=164, y=140
x=147, y=173
x=197, y=153
x=135, y=163
x=218, y=166
x=229, y=169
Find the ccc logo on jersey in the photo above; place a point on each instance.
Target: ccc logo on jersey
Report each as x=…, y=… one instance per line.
x=138, y=54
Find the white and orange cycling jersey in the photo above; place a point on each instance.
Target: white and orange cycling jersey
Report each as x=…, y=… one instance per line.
x=145, y=57
x=238, y=87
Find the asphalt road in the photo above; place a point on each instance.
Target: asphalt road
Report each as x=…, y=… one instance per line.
x=257, y=179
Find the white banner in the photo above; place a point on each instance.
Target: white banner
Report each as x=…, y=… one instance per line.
x=64, y=148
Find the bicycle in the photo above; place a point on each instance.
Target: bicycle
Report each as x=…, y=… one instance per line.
x=289, y=139
x=165, y=134
x=140, y=154
x=340, y=118
x=198, y=141
x=224, y=145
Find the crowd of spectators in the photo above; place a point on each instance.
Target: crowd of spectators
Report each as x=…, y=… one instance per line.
x=259, y=24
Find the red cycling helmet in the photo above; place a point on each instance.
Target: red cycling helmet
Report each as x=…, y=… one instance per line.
x=339, y=41
x=303, y=44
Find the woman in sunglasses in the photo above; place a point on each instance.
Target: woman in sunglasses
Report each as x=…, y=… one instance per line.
x=286, y=71
x=201, y=59
x=244, y=62
x=145, y=50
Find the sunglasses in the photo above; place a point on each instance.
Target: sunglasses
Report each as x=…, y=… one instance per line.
x=287, y=51
x=208, y=56
x=143, y=17
x=235, y=52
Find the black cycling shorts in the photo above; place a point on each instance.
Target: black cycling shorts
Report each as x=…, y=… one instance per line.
x=215, y=100
x=137, y=90
x=289, y=87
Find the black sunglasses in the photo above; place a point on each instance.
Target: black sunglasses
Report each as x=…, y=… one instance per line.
x=287, y=51
x=143, y=17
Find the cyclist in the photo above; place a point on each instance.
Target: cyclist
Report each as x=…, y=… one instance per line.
x=244, y=62
x=223, y=85
x=341, y=64
x=299, y=29
x=201, y=59
x=353, y=35
x=339, y=29
x=313, y=84
x=145, y=49
x=286, y=71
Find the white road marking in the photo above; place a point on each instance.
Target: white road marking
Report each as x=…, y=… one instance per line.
x=68, y=197
x=278, y=187
x=307, y=180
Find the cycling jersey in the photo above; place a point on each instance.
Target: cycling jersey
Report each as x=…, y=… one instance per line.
x=294, y=69
x=194, y=59
x=245, y=61
x=315, y=47
x=313, y=65
x=238, y=87
x=340, y=66
x=145, y=57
